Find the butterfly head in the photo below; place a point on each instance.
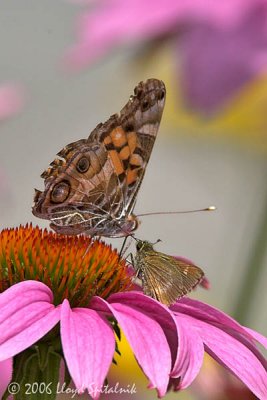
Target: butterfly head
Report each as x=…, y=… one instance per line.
x=143, y=246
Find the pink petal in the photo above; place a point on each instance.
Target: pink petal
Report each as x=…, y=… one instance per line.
x=257, y=336
x=190, y=346
x=154, y=309
x=5, y=374
x=190, y=352
x=234, y=355
x=147, y=339
x=88, y=344
x=11, y=99
x=26, y=316
x=199, y=310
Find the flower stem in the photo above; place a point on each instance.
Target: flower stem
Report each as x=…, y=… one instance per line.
x=254, y=269
x=36, y=373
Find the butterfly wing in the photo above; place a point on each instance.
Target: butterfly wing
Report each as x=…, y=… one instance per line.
x=92, y=187
x=129, y=138
x=167, y=279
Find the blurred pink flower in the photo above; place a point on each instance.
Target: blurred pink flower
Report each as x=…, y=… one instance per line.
x=216, y=383
x=166, y=342
x=220, y=45
x=11, y=100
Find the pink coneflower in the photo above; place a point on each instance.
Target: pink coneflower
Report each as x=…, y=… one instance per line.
x=218, y=45
x=61, y=298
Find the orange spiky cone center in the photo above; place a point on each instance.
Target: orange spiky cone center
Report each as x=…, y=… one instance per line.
x=74, y=267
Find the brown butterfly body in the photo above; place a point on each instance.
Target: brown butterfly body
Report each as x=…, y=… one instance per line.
x=92, y=187
x=164, y=277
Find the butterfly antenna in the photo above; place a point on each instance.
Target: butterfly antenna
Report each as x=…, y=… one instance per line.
x=210, y=208
x=157, y=241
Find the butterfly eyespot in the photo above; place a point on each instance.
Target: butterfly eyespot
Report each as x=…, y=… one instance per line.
x=145, y=105
x=161, y=95
x=83, y=165
x=60, y=192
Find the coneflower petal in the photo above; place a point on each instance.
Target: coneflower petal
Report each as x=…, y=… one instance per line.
x=257, y=336
x=6, y=375
x=235, y=354
x=26, y=316
x=154, y=309
x=199, y=310
x=88, y=343
x=190, y=353
x=146, y=338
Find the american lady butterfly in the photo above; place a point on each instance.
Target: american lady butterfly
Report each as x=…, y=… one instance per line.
x=92, y=187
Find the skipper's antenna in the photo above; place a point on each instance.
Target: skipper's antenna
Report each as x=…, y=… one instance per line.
x=210, y=208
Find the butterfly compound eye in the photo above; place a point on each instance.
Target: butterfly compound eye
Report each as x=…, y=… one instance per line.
x=60, y=192
x=83, y=165
x=139, y=245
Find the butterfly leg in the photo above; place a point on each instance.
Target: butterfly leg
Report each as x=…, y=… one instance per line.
x=137, y=270
x=124, y=248
x=135, y=277
x=93, y=239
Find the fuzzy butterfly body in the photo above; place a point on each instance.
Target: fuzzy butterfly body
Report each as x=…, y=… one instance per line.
x=164, y=277
x=92, y=187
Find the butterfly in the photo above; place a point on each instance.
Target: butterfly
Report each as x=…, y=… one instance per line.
x=164, y=277
x=92, y=187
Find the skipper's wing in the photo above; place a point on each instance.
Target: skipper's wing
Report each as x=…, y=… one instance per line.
x=166, y=278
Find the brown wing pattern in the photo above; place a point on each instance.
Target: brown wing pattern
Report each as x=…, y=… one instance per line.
x=129, y=138
x=92, y=187
x=165, y=278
